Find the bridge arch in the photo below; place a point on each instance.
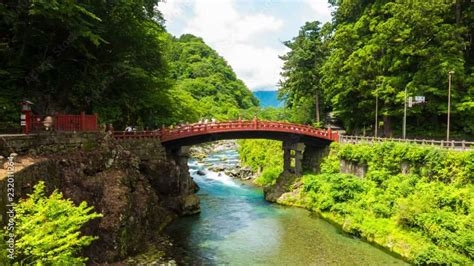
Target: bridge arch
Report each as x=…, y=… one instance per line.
x=300, y=142
x=255, y=129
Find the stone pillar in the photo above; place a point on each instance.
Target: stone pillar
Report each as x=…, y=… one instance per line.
x=293, y=151
x=312, y=158
x=286, y=158
x=298, y=159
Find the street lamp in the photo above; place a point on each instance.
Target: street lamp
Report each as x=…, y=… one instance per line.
x=449, y=103
x=405, y=115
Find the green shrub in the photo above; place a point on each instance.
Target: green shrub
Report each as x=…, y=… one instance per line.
x=268, y=176
x=330, y=164
x=427, y=214
x=4, y=260
x=265, y=155
x=48, y=229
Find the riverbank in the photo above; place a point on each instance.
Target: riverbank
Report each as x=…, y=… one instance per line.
x=415, y=201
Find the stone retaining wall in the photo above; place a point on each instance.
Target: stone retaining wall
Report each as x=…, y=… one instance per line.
x=45, y=143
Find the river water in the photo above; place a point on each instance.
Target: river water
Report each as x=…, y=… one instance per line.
x=237, y=226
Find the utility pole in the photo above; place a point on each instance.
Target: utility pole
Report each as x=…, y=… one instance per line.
x=405, y=116
x=449, y=103
x=376, y=109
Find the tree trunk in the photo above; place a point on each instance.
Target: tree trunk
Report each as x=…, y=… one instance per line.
x=318, y=118
x=458, y=11
x=387, y=129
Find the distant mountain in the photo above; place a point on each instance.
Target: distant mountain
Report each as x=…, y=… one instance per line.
x=268, y=98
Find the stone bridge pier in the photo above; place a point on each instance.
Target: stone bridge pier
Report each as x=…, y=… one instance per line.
x=293, y=157
x=299, y=158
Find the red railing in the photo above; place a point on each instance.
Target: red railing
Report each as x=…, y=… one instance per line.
x=62, y=122
x=169, y=134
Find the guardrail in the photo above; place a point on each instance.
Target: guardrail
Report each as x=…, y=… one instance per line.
x=452, y=144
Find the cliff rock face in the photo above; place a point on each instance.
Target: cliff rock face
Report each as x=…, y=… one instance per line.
x=136, y=186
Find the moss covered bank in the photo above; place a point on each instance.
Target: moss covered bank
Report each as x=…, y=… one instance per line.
x=416, y=201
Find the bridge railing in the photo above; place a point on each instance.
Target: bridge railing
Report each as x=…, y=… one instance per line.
x=167, y=134
x=457, y=145
x=193, y=129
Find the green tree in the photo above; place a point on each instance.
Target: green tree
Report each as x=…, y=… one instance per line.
x=302, y=72
x=379, y=48
x=94, y=56
x=48, y=228
x=206, y=76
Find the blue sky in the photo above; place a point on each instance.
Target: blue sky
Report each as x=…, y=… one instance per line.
x=248, y=34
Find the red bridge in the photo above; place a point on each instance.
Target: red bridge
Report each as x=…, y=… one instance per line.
x=198, y=133
x=296, y=138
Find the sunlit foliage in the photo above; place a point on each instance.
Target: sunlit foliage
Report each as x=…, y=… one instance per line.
x=48, y=229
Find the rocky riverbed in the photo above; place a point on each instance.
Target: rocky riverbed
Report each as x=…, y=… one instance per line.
x=234, y=170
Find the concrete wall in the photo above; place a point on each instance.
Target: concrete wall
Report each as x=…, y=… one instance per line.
x=354, y=168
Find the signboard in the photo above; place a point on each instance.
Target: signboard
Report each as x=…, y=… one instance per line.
x=419, y=99
x=23, y=123
x=23, y=117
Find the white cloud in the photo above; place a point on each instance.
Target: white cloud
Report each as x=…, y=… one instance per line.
x=237, y=35
x=173, y=9
x=321, y=7
x=232, y=35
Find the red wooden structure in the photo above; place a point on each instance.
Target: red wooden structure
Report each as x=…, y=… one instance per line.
x=170, y=134
x=63, y=122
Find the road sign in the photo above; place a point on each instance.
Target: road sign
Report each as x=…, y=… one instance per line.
x=419, y=99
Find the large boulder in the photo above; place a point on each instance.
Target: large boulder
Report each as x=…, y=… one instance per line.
x=282, y=185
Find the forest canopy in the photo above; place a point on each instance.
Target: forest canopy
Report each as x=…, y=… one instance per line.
x=114, y=58
x=376, y=49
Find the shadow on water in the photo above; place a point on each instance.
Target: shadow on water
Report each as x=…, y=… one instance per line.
x=237, y=226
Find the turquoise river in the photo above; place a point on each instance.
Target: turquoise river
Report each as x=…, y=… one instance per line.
x=238, y=227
